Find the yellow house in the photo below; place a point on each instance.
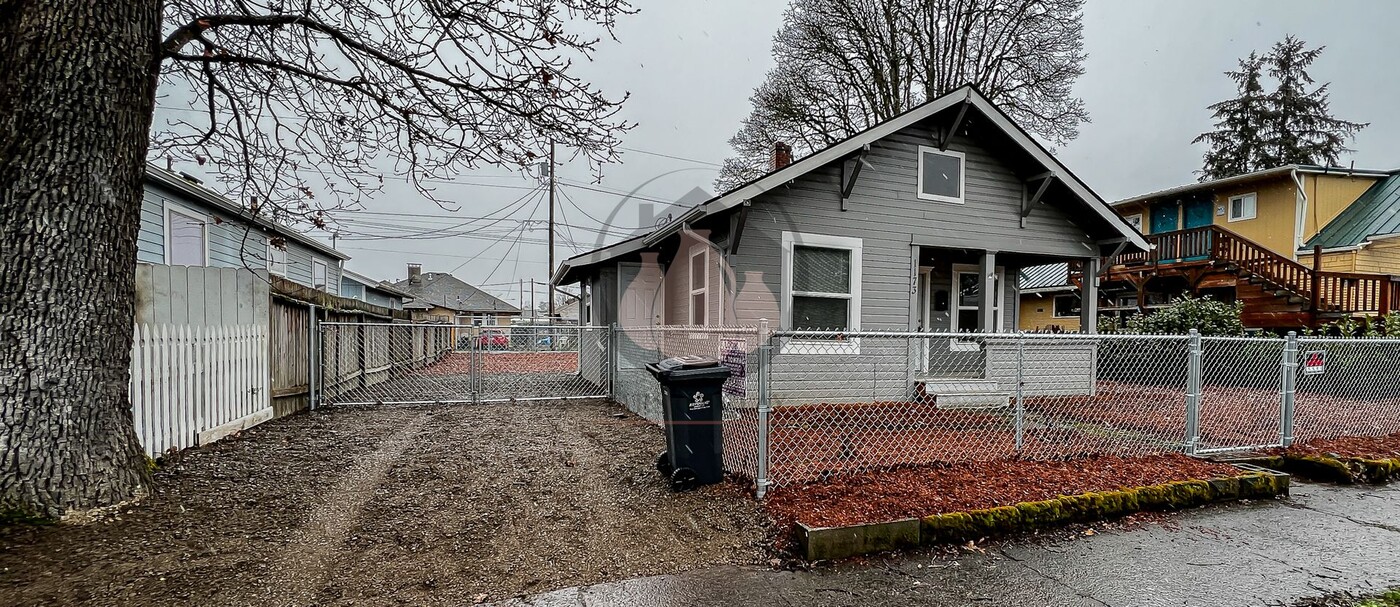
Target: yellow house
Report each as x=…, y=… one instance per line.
x=1280, y=208
x=1251, y=238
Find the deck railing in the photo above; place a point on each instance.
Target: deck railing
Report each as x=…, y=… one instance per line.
x=1343, y=292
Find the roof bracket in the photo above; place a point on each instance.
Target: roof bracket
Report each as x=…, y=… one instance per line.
x=850, y=172
x=736, y=226
x=957, y=123
x=1028, y=202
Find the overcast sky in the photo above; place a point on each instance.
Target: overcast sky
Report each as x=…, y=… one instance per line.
x=1153, y=66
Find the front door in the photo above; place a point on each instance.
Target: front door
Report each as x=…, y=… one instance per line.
x=1196, y=214
x=1164, y=217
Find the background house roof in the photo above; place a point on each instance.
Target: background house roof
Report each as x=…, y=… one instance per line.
x=445, y=290
x=1053, y=277
x=371, y=283
x=1375, y=213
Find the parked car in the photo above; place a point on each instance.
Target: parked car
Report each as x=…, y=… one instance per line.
x=493, y=339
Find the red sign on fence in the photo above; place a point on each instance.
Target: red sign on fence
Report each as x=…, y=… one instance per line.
x=1315, y=362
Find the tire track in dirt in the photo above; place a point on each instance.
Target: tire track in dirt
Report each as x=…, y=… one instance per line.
x=301, y=571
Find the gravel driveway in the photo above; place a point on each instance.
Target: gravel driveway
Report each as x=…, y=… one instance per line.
x=444, y=505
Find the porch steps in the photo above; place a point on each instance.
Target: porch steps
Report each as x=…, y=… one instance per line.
x=961, y=393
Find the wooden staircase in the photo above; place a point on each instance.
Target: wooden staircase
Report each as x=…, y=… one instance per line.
x=1276, y=291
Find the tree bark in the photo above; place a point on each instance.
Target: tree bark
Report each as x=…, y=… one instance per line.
x=77, y=93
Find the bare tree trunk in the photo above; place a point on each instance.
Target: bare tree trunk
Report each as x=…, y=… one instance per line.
x=77, y=92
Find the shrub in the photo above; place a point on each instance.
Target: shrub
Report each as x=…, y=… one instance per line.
x=1203, y=314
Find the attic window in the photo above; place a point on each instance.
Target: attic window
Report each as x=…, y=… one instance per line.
x=941, y=175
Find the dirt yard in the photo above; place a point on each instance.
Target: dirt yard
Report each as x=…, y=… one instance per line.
x=423, y=506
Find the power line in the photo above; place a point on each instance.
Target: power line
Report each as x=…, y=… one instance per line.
x=649, y=153
x=622, y=194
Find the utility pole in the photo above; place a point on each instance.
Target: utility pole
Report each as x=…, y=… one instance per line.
x=532, y=298
x=549, y=271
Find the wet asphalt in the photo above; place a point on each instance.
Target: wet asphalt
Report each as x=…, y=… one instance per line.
x=1324, y=539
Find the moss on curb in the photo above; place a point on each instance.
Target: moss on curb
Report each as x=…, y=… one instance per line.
x=956, y=527
x=1090, y=507
x=1340, y=470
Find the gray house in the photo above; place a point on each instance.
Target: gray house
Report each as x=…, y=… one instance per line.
x=380, y=293
x=901, y=227
x=442, y=297
x=184, y=223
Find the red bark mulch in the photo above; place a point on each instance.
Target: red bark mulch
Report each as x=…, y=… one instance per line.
x=1363, y=447
x=917, y=492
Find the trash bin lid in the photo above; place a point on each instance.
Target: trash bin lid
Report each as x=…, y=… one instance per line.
x=687, y=362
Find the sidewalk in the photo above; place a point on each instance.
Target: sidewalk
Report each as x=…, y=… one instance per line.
x=1324, y=539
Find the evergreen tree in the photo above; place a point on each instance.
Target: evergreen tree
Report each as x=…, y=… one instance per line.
x=1303, y=130
x=1290, y=125
x=1237, y=144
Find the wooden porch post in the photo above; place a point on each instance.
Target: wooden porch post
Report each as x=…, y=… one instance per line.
x=1316, y=281
x=1089, y=297
x=986, y=310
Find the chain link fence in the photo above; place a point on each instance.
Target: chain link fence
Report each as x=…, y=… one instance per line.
x=804, y=406
x=412, y=364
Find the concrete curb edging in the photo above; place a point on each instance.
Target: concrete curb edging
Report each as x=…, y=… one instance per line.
x=827, y=543
x=1340, y=470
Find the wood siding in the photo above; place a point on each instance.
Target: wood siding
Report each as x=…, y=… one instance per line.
x=1275, y=216
x=1379, y=257
x=1328, y=196
x=230, y=243
x=884, y=211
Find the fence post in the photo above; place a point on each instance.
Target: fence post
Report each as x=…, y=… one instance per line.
x=1193, y=394
x=1288, y=371
x=475, y=356
x=611, y=358
x=312, y=372
x=1020, y=383
x=765, y=358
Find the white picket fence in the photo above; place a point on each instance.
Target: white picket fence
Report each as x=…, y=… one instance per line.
x=191, y=385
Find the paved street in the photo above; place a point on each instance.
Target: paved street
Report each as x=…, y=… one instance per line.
x=1325, y=539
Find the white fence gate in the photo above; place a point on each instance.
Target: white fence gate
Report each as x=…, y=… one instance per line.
x=191, y=385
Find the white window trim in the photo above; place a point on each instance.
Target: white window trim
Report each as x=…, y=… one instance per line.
x=704, y=288
x=189, y=212
x=316, y=262
x=854, y=245
x=1134, y=217
x=1253, y=211
x=962, y=175
x=955, y=306
x=273, y=264
x=1053, y=314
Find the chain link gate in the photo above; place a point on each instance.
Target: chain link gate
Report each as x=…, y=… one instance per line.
x=419, y=364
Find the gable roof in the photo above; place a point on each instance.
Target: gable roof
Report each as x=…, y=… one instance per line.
x=1375, y=213
x=445, y=290
x=181, y=185
x=967, y=94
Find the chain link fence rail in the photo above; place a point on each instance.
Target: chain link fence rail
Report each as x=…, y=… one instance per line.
x=408, y=364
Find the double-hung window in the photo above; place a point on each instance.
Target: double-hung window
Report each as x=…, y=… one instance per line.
x=186, y=236
x=276, y=260
x=318, y=275
x=1134, y=220
x=941, y=175
x=1244, y=206
x=700, y=285
x=821, y=285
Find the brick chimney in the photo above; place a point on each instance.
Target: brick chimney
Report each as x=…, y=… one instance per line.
x=782, y=155
x=415, y=274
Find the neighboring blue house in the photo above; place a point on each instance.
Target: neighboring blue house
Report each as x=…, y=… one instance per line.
x=358, y=286
x=184, y=223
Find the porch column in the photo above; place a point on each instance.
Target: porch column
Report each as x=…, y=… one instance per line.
x=987, y=308
x=1089, y=297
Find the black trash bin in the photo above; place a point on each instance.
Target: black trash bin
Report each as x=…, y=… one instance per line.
x=692, y=403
